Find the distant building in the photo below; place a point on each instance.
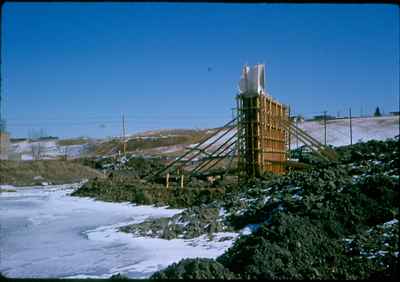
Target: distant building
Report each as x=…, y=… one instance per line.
x=297, y=118
x=15, y=140
x=322, y=117
x=394, y=113
x=4, y=145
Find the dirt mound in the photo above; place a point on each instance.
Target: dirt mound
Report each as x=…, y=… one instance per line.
x=334, y=221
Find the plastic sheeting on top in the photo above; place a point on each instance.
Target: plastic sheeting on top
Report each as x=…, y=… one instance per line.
x=252, y=81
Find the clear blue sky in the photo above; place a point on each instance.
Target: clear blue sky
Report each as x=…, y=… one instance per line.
x=73, y=68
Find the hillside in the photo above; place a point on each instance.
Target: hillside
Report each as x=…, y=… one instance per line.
x=364, y=129
x=173, y=142
x=338, y=133
x=45, y=171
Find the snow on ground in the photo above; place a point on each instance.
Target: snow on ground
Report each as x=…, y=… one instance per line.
x=79, y=237
x=48, y=149
x=161, y=253
x=338, y=131
x=7, y=186
x=166, y=149
x=338, y=134
x=364, y=129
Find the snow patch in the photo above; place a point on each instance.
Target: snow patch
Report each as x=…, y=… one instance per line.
x=250, y=228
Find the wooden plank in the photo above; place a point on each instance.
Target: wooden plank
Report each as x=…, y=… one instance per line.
x=201, y=143
x=226, y=142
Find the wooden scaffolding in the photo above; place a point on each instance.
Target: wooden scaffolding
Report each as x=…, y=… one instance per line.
x=262, y=140
x=262, y=137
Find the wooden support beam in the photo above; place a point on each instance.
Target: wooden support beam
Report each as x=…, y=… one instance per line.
x=198, y=167
x=182, y=176
x=324, y=150
x=167, y=181
x=187, y=153
x=218, y=159
x=318, y=152
x=210, y=167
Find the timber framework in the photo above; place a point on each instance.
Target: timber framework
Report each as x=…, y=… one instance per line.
x=262, y=141
x=258, y=137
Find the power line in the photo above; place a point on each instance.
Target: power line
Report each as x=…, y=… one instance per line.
x=127, y=116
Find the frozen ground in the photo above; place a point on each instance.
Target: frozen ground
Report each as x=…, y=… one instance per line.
x=47, y=233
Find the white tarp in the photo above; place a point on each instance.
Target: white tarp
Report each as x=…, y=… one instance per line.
x=252, y=80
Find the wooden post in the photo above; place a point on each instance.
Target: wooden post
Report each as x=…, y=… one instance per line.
x=182, y=180
x=238, y=130
x=297, y=136
x=325, y=128
x=289, y=132
x=167, y=180
x=123, y=134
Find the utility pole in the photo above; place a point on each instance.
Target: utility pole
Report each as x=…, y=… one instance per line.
x=123, y=134
x=351, y=128
x=325, y=128
x=289, y=129
x=297, y=137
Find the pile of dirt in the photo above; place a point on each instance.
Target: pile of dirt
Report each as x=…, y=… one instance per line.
x=311, y=224
x=335, y=221
x=135, y=166
x=117, y=189
x=191, y=223
x=198, y=268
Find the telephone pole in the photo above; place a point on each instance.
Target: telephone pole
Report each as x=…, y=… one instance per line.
x=123, y=134
x=351, y=128
x=289, y=130
x=325, y=128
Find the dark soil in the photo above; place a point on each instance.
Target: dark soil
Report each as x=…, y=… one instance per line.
x=330, y=221
x=334, y=221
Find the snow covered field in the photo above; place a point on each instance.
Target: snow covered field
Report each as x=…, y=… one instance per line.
x=48, y=149
x=338, y=131
x=364, y=129
x=47, y=233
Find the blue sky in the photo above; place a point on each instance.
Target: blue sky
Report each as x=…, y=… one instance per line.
x=73, y=68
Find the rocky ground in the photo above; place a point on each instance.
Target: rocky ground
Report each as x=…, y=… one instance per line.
x=191, y=223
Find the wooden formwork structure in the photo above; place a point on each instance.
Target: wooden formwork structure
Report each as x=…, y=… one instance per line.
x=262, y=136
x=262, y=140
